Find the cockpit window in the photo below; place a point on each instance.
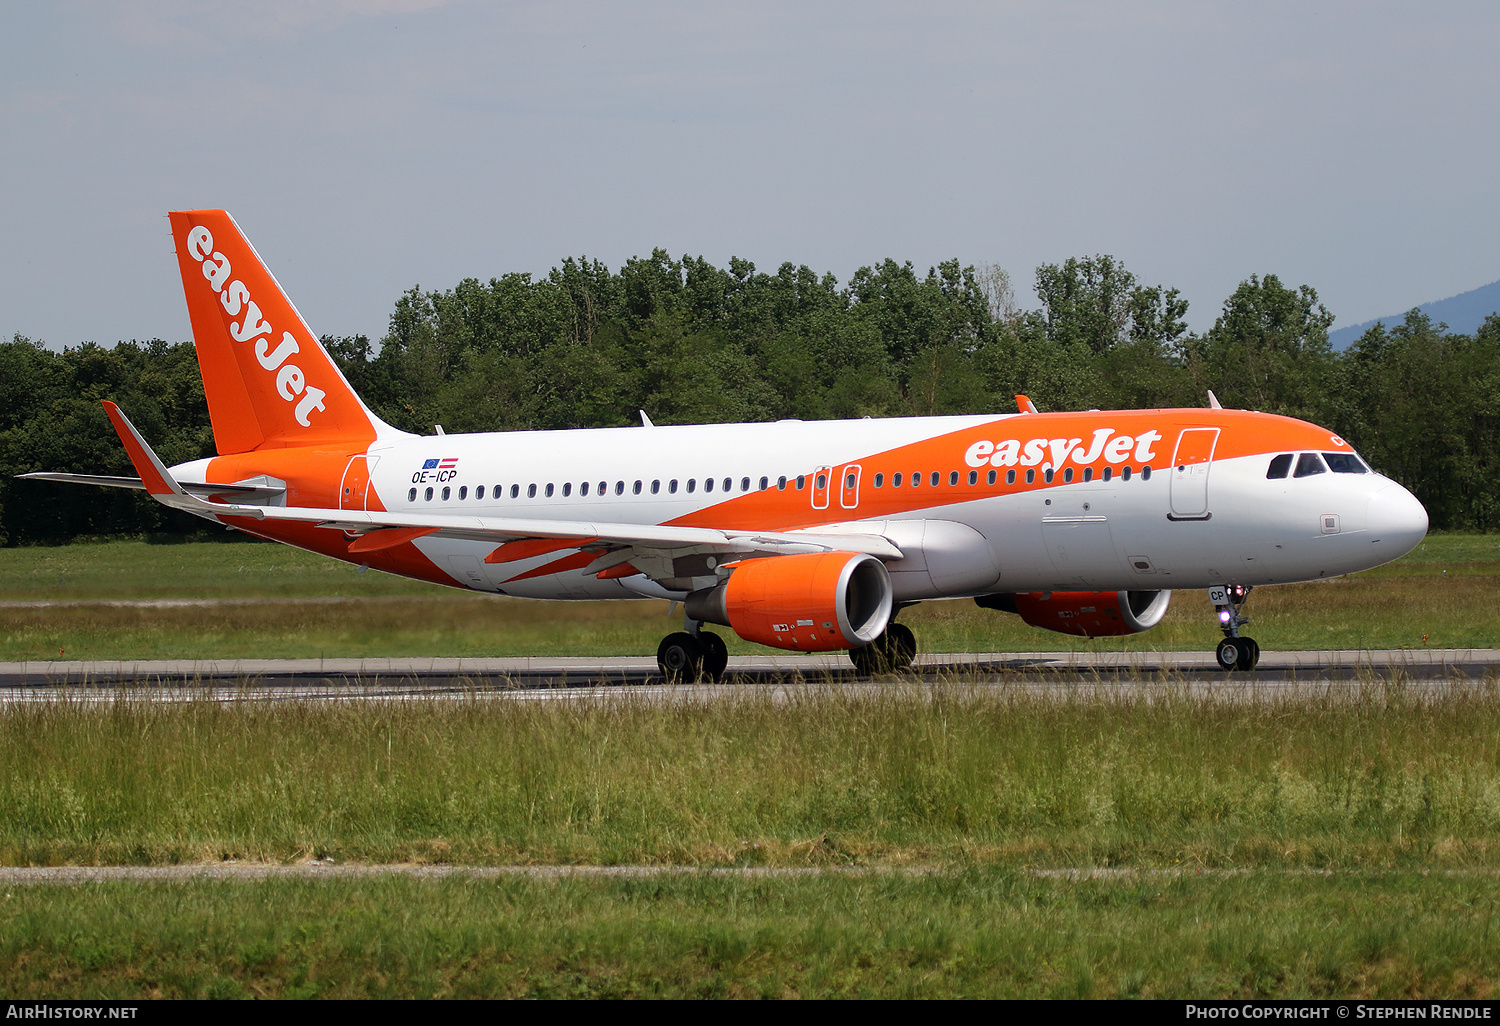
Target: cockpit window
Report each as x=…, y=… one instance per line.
x=1345, y=463
x=1281, y=466
x=1309, y=464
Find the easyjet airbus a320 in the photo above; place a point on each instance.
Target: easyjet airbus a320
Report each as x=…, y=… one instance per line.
x=802, y=536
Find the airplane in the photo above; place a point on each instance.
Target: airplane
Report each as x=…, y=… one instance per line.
x=802, y=536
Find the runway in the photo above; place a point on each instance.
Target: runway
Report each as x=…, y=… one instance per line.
x=555, y=677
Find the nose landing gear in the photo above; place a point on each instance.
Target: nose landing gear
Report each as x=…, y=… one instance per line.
x=1234, y=652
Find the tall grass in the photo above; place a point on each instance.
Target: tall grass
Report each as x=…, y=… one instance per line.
x=970, y=933
x=1366, y=775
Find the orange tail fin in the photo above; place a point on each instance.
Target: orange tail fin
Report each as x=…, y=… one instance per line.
x=268, y=380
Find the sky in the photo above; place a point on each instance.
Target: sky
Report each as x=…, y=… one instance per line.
x=369, y=146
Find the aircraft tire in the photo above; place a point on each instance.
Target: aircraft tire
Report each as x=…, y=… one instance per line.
x=891, y=652
x=680, y=657
x=715, y=655
x=1228, y=654
x=1249, y=654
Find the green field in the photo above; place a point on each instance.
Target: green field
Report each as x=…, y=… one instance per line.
x=1441, y=595
x=1254, y=843
x=971, y=933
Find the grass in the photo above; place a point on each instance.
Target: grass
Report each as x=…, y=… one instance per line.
x=1347, y=839
x=972, y=933
x=1376, y=776
x=1440, y=595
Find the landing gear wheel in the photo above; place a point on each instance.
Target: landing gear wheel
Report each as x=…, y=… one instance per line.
x=1249, y=654
x=715, y=655
x=891, y=652
x=1237, y=654
x=680, y=657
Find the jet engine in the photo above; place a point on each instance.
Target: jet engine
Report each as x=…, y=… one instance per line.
x=1089, y=614
x=813, y=602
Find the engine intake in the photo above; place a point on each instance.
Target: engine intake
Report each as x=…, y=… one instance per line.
x=1088, y=614
x=814, y=602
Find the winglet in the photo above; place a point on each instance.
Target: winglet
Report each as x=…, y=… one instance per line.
x=154, y=474
x=1213, y=401
x=1024, y=404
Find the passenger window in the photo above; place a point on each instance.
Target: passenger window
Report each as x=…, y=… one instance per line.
x=1010, y=477
x=656, y=487
x=672, y=487
x=822, y=481
x=692, y=485
x=916, y=480
x=1049, y=475
x=635, y=489
x=1145, y=473
x=896, y=481
x=603, y=487
x=619, y=487
x=583, y=489
x=1280, y=467
x=973, y=477
x=729, y=484
x=745, y=484
x=765, y=483
x=549, y=489
x=567, y=489
x=1309, y=464
x=1109, y=472
x=936, y=477
x=515, y=491
x=952, y=478
x=479, y=492
x=879, y=480
x=428, y=496
x=1344, y=463
x=1031, y=476
x=801, y=481
x=781, y=484
x=1125, y=474
x=1088, y=473
x=1068, y=475
x=992, y=477
x=446, y=492
x=531, y=491
x=411, y=496
x=708, y=484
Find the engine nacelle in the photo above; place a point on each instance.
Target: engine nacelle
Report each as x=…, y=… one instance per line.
x=807, y=603
x=1089, y=614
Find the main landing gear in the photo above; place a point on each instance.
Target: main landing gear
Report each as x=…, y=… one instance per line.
x=891, y=652
x=1234, y=652
x=692, y=653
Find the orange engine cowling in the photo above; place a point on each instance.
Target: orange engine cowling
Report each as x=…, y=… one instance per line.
x=1089, y=614
x=809, y=603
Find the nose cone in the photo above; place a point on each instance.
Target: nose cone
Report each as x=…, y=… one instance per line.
x=1396, y=522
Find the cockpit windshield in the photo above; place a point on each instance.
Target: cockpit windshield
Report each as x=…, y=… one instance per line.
x=1345, y=463
x=1309, y=464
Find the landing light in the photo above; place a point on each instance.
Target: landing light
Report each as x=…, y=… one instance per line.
x=1224, y=616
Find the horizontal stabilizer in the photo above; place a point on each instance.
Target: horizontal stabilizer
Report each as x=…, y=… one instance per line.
x=203, y=488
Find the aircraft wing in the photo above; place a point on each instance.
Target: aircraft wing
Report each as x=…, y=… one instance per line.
x=516, y=538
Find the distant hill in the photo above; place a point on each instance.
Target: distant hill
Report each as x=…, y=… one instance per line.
x=1463, y=314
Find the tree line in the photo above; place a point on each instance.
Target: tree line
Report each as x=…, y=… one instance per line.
x=690, y=342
